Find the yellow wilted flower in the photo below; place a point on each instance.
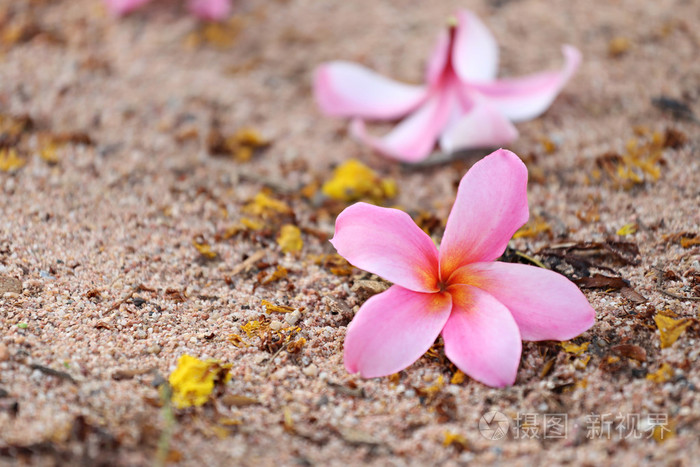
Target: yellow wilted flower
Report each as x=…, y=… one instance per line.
x=353, y=181
x=289, y=239
x=193, y=380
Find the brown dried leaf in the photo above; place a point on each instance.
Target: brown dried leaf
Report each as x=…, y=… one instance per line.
x=632, y=351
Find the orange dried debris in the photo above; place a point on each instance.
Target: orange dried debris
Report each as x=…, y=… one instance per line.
x=279, y=273
x=533, y=228
x=454, y=438
x=255, y=327
x=575, y=349
x=271, y=307
x=548, y=145
x=236, y=340
x=670, y=329
x=641, y=161
x=618, y=46
x=204, y=248
x=458, y=377
x=663, y=374
x=335, y=263
x=221, y=35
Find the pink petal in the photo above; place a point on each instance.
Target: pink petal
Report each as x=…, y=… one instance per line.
x=481, y=337
x=414, y=138
x=212, y=10
x=123, y=7
x=394, y=329
x=544, y=304
x=491, y=205
x=438, y=58
x=525, y=98
x=475, y=52
x=482, y=126
x=349, y=90
x=388, y=243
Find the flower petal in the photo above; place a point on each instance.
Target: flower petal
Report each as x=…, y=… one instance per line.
x=481, y=337
x=438, y=58
x=544, y=304
x=394, y=329
x=491, y=205
x=482, y=126
x=212, y=10
x=475, y=52
x=349, y=90
x=388, y=243
x=123, y=7
x=414, y=138
x=525, y=98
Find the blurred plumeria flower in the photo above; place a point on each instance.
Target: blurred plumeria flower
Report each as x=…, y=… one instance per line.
x=211, y=10
x=482, y=308
x=462, y=105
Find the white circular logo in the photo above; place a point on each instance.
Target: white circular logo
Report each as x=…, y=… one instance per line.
x=494, y=425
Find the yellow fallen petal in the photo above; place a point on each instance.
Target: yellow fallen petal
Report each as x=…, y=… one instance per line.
x=353, y=181
x=627, y=229
x=193, y=380
x=663, y=374
x=670, y=329
x=289, y=239
x=263, y=205
x=9, y=161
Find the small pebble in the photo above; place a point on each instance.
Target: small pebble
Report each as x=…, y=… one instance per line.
x=293, y=317
x=276, y=325
x=311, y=370
x=4, y=353
x=10, y=285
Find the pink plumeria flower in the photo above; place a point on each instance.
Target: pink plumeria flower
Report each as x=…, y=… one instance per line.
x=482, y=308
x=462, y=105
x=210, y=10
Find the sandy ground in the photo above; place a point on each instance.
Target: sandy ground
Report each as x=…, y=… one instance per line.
x=103, y=290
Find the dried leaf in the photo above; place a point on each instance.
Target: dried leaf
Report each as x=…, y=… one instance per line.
x=236, y=400
x=600, y=281
x=670, y=329
x=289, y=239
x=630, y=351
